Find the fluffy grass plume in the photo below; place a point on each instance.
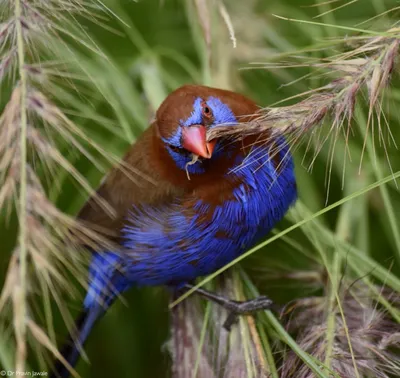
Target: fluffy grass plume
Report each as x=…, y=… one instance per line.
x=34, y=131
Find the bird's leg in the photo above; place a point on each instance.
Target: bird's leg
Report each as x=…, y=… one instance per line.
x=234, y=307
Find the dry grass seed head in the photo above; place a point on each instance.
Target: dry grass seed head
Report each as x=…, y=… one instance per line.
x=374, y=335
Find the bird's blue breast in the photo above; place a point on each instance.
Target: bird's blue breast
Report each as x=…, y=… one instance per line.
x=174, y=244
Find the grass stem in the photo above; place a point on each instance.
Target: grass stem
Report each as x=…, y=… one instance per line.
x=22, y=237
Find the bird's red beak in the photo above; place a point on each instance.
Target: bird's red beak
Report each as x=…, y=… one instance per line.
x=194, y=140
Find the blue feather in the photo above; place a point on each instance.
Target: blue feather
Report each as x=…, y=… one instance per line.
x=195, y=117
x=170, y=245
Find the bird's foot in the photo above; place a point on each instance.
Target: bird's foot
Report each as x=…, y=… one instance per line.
x=235, y=308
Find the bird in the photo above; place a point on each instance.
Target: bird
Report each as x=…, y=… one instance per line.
x=201, y=204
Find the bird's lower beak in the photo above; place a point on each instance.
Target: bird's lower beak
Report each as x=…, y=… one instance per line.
x=194, y=140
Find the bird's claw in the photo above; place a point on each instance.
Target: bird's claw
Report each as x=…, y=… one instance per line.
x=234, y=307
x=247, y=307
x=237, y=308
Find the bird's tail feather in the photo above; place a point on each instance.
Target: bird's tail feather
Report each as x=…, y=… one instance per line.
x=73, y=345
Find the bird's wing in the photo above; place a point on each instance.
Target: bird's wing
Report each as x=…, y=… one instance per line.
x=133, y=182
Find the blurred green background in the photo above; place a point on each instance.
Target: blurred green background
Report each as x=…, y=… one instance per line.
x=158, y=46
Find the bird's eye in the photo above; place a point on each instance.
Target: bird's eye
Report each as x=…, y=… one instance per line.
x=207, y=113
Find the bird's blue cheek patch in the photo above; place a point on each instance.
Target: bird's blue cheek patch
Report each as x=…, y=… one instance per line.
x=175, y=139
x=222, y=112
x=196, y=117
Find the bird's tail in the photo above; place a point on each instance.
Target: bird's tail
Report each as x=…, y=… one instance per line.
x=73, y=345
x=106, y=283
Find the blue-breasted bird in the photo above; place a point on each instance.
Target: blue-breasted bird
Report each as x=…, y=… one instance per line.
x=211, y=201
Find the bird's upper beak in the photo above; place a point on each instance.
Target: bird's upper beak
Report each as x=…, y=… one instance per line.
x=194, y=140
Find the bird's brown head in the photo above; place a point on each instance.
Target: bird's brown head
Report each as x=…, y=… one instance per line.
x=185, y=116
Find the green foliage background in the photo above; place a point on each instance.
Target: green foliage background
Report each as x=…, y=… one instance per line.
x=162, y=47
